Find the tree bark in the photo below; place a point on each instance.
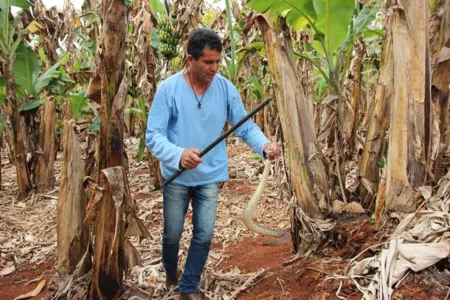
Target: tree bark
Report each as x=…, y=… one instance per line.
x=109, y=261
x=375, y=144
x=16, y=133
x=72, y=232
x=309, y=176
x=108, y=253
x=45, y=178
x=409, y=128
x=114, y=87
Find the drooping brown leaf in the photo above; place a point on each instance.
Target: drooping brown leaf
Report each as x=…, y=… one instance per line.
x=132, y=255
x=145, y=64
x=109, y=239
x=188, y=14
x=94, y=89
x=54, y=27
x=144, y=60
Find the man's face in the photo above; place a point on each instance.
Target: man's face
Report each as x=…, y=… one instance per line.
x=206, y=66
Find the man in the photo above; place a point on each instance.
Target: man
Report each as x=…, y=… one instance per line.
x=188, y=113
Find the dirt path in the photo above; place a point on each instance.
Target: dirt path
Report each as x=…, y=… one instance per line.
x=28, y=243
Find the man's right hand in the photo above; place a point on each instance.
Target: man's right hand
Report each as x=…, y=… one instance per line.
x=190, y=158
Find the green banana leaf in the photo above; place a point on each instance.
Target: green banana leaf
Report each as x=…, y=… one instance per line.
x=78, y=103
x=140, y=111
x=255, y=86
x=295, y=11
x=330, y=19
x=135, y=111
x=31, y=105
x=20, y=3
x=95, y=126
x=373, y=34
x=141, y=149
x=366, y=16
x=333, y=20
x=50, y=75
x=141, y=104
x=157, y=7
x=4, y=9
x=26, y=69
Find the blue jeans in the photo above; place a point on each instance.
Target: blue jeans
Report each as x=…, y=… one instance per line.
x=176, y=199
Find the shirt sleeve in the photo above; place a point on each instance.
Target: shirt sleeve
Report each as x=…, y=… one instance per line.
x=249, y=131
x=156, y=132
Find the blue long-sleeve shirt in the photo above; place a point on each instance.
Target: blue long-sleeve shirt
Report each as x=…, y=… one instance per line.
x=175, y=123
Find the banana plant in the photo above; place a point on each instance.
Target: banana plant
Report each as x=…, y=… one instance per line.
x=28, y=82
x=332, y=24
x=10, y=39
x=335, y=26
x=141, y=113
x=22, y=82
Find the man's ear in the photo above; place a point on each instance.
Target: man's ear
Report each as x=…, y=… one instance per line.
x=190, y=59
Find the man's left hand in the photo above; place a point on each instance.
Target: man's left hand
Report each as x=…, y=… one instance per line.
x=272, y=150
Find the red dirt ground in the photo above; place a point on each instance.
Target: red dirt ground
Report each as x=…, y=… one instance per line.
x=302, y=279
x=19, y=282
x=306, y=278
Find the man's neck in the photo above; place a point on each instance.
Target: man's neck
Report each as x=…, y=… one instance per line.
x=197, y=84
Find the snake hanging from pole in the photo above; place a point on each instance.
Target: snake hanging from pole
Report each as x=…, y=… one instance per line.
x=250, y=208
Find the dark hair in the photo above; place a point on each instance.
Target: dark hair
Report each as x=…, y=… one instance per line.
x=201, y=38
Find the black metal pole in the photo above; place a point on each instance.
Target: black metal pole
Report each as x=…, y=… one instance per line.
x=221, y=138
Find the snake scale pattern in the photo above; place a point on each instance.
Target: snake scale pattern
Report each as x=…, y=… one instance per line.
x=250, y=208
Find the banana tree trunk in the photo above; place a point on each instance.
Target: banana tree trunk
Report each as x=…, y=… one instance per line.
x=409, y=122
x=44, y=175
x=440, y=53
x=16, y=133
x=108, y=253
x=72, y=232
x=379, y=116
x=352, y=94
x=309, y=176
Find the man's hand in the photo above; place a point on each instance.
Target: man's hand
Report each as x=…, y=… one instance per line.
x=190, y=158
x=272, y=150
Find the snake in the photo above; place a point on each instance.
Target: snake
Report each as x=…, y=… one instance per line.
x=250, y=208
